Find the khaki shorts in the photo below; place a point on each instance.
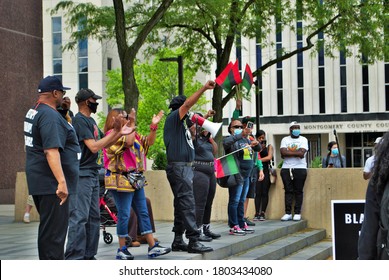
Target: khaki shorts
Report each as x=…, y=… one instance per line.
x=30, y=200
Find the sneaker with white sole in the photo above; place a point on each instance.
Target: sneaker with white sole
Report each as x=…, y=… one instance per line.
x=297, y=217
x=26, y=218
x=247, y=230
x=236, y=230
x=286, y=217
x=123, y=254
x=158, y=250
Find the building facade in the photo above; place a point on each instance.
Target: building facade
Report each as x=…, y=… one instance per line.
x=86, y=65
x=20, y=73
x=323, y=94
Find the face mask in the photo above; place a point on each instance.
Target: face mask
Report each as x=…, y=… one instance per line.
x=296, y=132
x=335, y=152
x=238, y=131
x=93, y=106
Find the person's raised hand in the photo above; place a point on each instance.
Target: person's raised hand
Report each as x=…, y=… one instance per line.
x=157, y=118
x=210, y=84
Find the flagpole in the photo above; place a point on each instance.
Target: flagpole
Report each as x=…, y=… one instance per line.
x=233, y=152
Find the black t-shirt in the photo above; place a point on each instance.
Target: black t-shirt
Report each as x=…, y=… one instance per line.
x=178, y=140
x=265, y=153
x=203, y=149
x=86, y=128
x=45, y=128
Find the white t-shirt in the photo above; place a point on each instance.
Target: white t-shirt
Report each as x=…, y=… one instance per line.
x=369, y=164
x=294, y=144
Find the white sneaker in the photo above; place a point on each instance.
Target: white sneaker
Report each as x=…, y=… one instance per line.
x=26, y=218
x=286, y=217
x=297, y=217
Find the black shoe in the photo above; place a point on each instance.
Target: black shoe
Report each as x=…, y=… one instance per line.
x=207, y=231
x=179, y=245
x=248, y=222
x=197, y=247
x=205, y=238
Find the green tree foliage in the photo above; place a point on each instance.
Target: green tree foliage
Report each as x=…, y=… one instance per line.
x=157, y=83
x=208, y=30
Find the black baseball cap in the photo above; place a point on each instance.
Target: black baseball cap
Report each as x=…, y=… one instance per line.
x=51, y=83
x=177, y=102
x=84, y=94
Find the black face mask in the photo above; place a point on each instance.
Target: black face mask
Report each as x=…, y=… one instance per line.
x=93, y=106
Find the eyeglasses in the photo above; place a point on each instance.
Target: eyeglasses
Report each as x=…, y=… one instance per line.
x=237, y=126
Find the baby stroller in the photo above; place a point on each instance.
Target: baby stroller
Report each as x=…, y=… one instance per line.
x=108, y=210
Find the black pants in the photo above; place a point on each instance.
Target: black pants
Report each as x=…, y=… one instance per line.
x=293, y=180
x=204, y=189
x=180, y=176
x=262, y=193
x=53, y=226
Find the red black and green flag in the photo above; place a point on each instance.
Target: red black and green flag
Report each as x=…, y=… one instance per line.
x=226, y=165
x=229, y=77
x=247, y=78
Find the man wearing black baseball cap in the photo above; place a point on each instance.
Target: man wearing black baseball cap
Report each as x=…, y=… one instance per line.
x=52, y=159
x=84, y=222
x=51, y=83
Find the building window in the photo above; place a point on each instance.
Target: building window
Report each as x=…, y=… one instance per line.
x=300, y=61
x=56, y=23
x=258, y=85
x=239, y=51
x=343, y=82
x=109, y=63
x=321, y=70
x=359, y=147
x=280, y=99
x=82, y=61
x=365, y=84
x=387, y=86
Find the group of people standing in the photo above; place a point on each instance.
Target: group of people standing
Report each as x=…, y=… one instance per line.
x=63, y=159
x=64, y=156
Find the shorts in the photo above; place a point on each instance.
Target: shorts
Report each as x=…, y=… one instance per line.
x=30, y=200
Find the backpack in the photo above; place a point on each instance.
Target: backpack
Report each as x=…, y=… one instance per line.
x=383, y=236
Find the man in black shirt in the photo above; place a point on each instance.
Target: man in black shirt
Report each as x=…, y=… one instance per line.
x=52, y=159
x=180, y=156
x=84, y=222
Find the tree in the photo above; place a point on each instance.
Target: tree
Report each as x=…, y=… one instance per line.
x=210, y=29
x=99, y=23
x=154, y=94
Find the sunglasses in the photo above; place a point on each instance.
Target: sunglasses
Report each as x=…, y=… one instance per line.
x=237, y=126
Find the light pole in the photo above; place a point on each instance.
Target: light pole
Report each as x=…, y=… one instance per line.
x=179, y=60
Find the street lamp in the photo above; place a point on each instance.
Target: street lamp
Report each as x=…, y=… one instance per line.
x=178, y=59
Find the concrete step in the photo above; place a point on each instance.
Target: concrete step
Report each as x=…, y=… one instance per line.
x=319, y=251
x=283, y=246
x=265, y=232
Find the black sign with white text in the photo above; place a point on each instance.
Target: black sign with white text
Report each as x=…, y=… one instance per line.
x=347, y=218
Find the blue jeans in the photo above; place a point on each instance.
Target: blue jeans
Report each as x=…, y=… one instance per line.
x=123, y=202
x=237, y=196
x=84, y=220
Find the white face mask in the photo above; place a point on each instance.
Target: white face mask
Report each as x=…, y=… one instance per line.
x=238, y=131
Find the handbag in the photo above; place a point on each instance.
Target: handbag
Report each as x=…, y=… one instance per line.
x=230, y=181
x=137, y=180
x=272, y=173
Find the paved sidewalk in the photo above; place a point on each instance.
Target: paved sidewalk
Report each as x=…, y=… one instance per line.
x=18, y=241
